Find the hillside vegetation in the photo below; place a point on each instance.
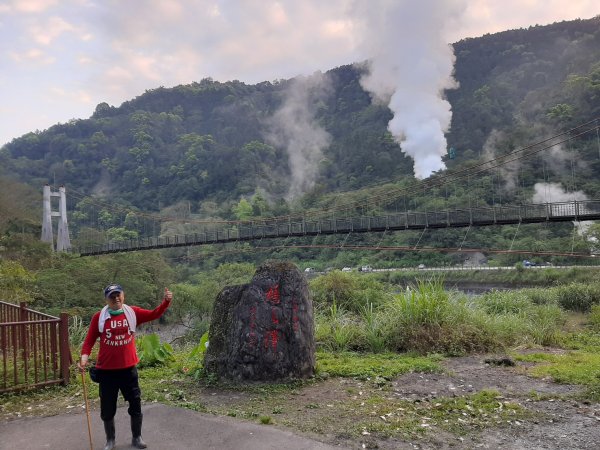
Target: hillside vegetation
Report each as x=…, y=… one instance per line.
x=207, y=150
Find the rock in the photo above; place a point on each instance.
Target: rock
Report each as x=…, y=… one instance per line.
x=504, y=361
x=264, y=330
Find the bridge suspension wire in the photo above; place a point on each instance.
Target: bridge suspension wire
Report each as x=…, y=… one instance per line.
x=485, y=166
x=385, y=197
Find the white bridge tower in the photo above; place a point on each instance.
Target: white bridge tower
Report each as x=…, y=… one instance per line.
x=63, y=243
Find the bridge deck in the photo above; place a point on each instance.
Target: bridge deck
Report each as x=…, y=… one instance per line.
x=409, y=220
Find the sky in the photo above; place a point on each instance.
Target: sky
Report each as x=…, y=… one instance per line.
x=60, y=58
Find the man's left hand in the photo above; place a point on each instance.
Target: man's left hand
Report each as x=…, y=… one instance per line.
x=168, y=295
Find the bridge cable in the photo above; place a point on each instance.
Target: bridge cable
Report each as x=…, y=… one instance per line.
x=499, y=161
x=514, y=237
x=464, y=238
x=422, y=233
x=429, y=183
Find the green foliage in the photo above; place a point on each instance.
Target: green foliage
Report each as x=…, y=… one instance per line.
x=77, y=331
x=545, y=324
x=199, y=351
x=577, y=296
x=243, y=210
x=505, y=302
x=193, y=363
x=177, y=146
x=337, y=330
x=428, y=319
x=350, y=291
x=562, y=111
x=193, y=306
x=575, y=367
x=79, y=282
x=17, y=284
x=152, y=352
x=594, y=318
x=195, y=299
x=363, y=366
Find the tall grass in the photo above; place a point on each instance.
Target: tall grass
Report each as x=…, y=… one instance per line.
x=77, y=331
x=372, y=329
x=577, y=296
x=337, y=329
x=427, y=319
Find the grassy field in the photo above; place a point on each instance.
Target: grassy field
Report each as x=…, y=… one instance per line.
x=552, y=333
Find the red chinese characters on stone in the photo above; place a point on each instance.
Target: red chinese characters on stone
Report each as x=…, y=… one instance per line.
x=272, y=336
x=273, y=295
x=295, y=320
x=270, y=340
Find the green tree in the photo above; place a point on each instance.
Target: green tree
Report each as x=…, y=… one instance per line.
x=243, y=210
x=17, y=284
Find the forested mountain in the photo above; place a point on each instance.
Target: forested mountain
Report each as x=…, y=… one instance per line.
x=213, y=143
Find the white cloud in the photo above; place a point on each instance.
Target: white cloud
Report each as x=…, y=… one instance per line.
x=32, y=6
x=33, y=55
x=45, y=33
x=117, y=49
x=488, y=16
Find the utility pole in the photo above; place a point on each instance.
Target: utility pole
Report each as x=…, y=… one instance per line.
x=63, y=242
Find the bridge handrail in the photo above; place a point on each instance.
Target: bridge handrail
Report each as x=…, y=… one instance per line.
x=573, y=210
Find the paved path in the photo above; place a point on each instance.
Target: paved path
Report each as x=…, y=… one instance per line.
x=164, y=428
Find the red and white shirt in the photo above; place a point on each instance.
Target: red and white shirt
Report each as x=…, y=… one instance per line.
x=117, y=342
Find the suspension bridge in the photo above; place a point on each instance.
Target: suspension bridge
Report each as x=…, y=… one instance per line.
x=496, y=215
x=497, y=193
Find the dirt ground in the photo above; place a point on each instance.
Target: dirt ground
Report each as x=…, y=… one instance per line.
x=320, y=410
x=346, y=412
x=560, y=424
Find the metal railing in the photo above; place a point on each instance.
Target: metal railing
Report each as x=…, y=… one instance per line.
x=34, y=348
x=408, y=220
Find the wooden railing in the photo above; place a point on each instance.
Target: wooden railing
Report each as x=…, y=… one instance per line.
x=34, y=348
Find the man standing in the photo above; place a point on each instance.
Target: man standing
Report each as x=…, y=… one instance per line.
x=115, y=325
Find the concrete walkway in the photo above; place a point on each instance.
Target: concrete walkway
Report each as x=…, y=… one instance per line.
x=164, y=428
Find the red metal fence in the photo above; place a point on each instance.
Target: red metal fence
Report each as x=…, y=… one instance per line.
x=34, y=348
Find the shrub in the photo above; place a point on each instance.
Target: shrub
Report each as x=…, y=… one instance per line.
x=373, y=334
x=337, y=330
x=505, y=302
x=541, y=296
x=594, y=317
x=545, y=322
x=427, y=319
x=151, y=352
x=334, y=287
x=349, y=291
x=578, y=296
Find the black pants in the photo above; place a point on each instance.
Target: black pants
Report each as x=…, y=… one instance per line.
x=113, y=381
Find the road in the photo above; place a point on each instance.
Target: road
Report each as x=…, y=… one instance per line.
x=165, y=428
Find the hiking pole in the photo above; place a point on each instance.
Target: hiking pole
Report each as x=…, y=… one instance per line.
x=87, y=409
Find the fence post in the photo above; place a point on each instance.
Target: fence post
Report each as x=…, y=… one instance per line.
x=65, y=351
x=23, y=317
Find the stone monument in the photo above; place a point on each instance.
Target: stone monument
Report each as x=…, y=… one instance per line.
x=264, y=330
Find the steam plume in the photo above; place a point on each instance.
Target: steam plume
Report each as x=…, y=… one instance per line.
x=554, y=192
x=410, y=65
x=294, y=127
